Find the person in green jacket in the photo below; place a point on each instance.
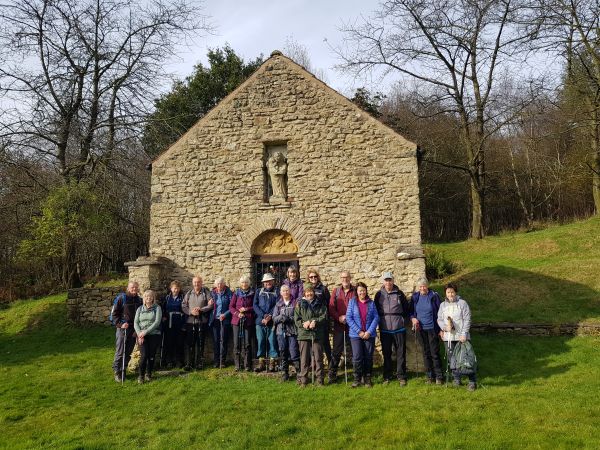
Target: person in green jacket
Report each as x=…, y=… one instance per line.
x=147, y=328
x=310, y=317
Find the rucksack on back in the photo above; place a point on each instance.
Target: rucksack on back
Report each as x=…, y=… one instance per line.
x=114, y=305
x=463, y=359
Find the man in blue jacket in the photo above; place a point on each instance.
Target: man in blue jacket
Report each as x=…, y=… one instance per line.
x=264, y=304
x=123, y=315
x=425, y=307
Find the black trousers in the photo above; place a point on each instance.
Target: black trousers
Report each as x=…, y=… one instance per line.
x=338, y=348
x=397, y=341
x=148, y=352
x=195, y=337
x=220, y=329
x=242, y=347
x=174, y=341
x=430, y=343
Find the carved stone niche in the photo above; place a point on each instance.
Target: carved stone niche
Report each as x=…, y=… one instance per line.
x=274, y=242
x=275, y=170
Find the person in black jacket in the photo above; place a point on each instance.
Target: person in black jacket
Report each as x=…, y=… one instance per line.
x=123, y=314
x=394, y=312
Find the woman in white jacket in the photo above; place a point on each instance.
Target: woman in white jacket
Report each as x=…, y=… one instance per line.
x=454, y=319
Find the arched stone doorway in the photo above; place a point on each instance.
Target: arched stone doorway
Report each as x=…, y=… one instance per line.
x=273, y=251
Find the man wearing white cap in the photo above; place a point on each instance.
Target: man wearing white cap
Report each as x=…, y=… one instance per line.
x=264, y=303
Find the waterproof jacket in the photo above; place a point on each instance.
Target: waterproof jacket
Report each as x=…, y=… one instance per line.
x=353, y=318
x=460, y=313
x=222, y=300
x=242, y=299
x=193, y=300
x=338, y=304
x=316, y=311
x=148, y=320
x=296, y=288
x=264, y=303
x=172, y=312
x=393, y=309
x=125, y=309
x=322, y=293
x=283, y=318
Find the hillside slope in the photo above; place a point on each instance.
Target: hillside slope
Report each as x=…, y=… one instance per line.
x=551, y=275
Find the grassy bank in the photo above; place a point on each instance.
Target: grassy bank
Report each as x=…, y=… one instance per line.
x=549, y=275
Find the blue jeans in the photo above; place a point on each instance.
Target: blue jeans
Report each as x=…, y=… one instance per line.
x=264, y=334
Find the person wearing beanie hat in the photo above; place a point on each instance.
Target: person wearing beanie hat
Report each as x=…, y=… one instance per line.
x=310, y=317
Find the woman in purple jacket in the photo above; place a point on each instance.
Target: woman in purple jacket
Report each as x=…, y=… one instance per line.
x=362, y=319
x=242, y=322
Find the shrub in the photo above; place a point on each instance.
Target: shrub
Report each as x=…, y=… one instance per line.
x=437, y=265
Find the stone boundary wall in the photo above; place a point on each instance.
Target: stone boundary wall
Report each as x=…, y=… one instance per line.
x=91, y=305
x=539, y=329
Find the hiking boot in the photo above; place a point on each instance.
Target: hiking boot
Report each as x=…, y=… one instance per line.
x=148, y=377
x=403, y=382
x=187, y=368
x=368, y=382
x=284, y=377
x=386, y=381
x=261, y=365
x=456, y=383
x=472, y=386
x=319, y=382
x=356, y=383
x=332, y=376
x=273, y=365
x=439, y=381
x=429, y=381
x=118, y=378
x=140, y=380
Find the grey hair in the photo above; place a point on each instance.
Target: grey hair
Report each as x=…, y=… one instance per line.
x=285, y=286
x=219, y=280
x=422, y=281
x=244, y=278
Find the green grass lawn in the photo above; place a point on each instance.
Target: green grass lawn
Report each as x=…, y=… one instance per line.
x=57, y=391
x=551, y=275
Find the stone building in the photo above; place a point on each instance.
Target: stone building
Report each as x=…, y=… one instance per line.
x=284, y=170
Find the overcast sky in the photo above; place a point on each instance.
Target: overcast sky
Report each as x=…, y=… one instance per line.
x=252, y=27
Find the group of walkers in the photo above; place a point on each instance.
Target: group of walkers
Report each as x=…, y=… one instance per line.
x=291, y=325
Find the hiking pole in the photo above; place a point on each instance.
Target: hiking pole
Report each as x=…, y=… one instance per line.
x=345, y=357
x=162, y=346
x=266, y=349
x=312, y=357
x=124, y=352
x=450, y=327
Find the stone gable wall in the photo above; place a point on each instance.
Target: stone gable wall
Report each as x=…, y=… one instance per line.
x=91, y=305
x=353, y=186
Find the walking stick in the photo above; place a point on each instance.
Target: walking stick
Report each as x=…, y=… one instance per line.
x=266, y=330
x=345, y=357
x=162, y=346
x=312, y=357
x=124, y=353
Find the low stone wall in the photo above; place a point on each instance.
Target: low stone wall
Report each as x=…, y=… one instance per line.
x=539, y=329
x=91, y=305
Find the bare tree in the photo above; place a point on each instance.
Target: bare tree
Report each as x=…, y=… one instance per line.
x=571, y=29
x=298, y=53
x=454, y=51
x=76, y=76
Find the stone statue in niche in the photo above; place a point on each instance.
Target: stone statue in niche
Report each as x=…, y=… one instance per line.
x=277, y=168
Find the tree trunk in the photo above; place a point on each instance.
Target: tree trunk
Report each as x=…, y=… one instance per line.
x=476, y=210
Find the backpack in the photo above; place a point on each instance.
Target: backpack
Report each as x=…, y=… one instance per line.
x=112, y=310
x=463, y=359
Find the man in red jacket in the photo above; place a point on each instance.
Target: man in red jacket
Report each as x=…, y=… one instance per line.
x=340, y=297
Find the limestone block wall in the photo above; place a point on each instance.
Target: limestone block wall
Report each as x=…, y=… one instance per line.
x=91, y=305
x=352, y=185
